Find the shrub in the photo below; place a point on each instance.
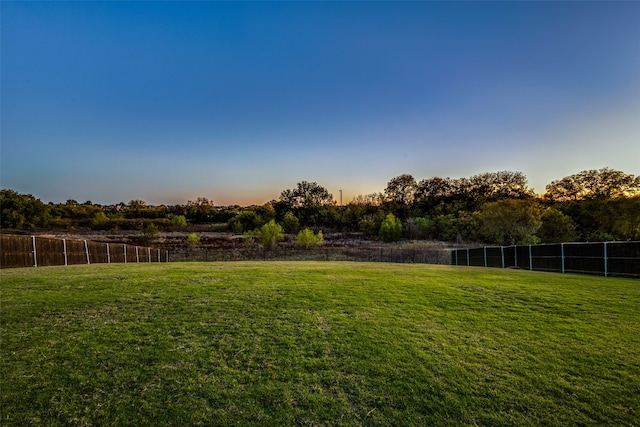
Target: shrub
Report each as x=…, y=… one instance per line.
x=192, y=241
x=391, y=229
x=290, y=223
x=306, y=238
x=178, y=220
x=244, y=221
x=149, y=234
x=270, y=234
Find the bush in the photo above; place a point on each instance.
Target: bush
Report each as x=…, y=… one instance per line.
x=306, y=238
x=192, y=241
x=100, y=221
x=149, y=234
x=290, y=223
x=244, y=221
x=270, y=234
x=391, y=229
x=178, y=220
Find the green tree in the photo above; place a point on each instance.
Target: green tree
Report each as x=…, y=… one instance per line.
x=99, y=221
x=510, y=221
x=23, y=211
x=594, y=184
x=270, y=234
x=178, y=220
x=556, y=227
x=150, y=234
x=290, y=223
x=306, y=238
x=192, y=241
x=401, y=189
x=391, y=229
x=246, y=220
x=310, y=202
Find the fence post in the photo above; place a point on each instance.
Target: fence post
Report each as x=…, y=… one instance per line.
x=515, y=256
x=86, y=251
x=64, y=250
x=158, y=255
x=149, y=254
x=35, y=255
x=468, y=260
x=485, y=255
x=530, y=259
x=125, y=252
x=108, y=255
x=137, y=255
x=456, y=257
x=502, y=255
x=562, y=255
x=166, y=256
x=606, y=260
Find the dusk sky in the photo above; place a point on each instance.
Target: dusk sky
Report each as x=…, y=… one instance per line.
x=169, y=101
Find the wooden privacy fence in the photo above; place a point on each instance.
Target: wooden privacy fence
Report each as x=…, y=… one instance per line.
x=603, y=258
x=34, y=251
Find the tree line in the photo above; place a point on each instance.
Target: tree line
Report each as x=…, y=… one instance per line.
x=493, y=207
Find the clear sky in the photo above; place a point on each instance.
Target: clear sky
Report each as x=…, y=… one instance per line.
x=168, y=101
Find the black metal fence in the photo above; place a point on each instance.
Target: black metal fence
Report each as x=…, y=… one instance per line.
x=601, y=258
x=356, y=254
x=34, y=251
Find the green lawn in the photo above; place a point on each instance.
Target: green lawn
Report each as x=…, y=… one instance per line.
x=316, y=344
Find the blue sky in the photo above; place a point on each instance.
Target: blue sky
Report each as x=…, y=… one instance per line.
x=237, y=101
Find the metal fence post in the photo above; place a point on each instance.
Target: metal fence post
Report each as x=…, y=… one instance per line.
x=64, y=250
x=108, y=255
x=515, y=256
x=86, y=251
x=468, y=260
x=606, y=260
x=137, y=255
x=530, y=259
x=35, y=255
x=485, y=255
x=149, y=254
x=502, y=255
x=562, y=255
x=124, y=246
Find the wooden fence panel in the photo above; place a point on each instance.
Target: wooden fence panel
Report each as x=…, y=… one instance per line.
x=76, y=253
x=131, y=254
x=116, y=252
x=33, y=251
x=97, y=252
x=49, y=251
x=16, y=251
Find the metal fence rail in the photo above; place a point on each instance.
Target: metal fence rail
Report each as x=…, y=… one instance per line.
x=34, y=251
x=602, y=258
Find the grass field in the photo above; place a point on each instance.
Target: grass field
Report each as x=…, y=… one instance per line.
x=316, y=344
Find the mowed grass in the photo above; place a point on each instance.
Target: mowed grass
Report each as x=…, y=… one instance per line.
x=316, y=344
